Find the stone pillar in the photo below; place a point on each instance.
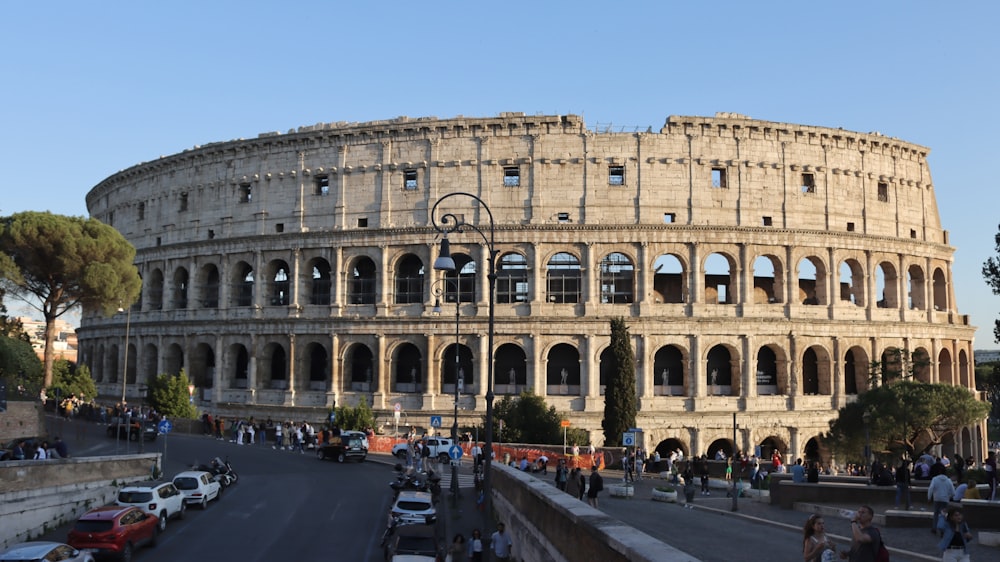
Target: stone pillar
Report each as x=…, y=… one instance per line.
x=336, y=374
x=590, y=372
x=744, y=280
x=697, y=385
x=696, y=278
x=537, y=278
x=871, y=290
x=644, y=367
x=537, y=367
x=384, y=281
x=697, y=447
x=295, y=279
x=382, y=368
x=225, y=283
x=644, y=275
x=749, y=389
x=793, y=366
x=252, y=367
x=259, y=281
x=838, y=372
x=292, y=367
x=587, y=275
x=479, y=378
x=794, y=448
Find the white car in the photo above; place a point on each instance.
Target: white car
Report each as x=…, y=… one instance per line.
x=414, y=507
x=44, y=550
x=161, y=499
x=198, y=487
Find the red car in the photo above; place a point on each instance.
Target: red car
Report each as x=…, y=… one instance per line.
x=114, y=530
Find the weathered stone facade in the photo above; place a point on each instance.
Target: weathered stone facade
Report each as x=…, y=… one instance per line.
x=760, y=267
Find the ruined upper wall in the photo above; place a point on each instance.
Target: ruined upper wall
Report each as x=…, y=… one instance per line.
x=727, y=170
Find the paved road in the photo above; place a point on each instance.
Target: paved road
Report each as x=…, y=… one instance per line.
x=286, y=505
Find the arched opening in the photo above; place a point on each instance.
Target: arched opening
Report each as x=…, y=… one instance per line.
x=318, y=367
x=810, y=372
x=562, y=280
x=361, y=282
x=465, y=366
x=361, y=366
x=719, y=279
x=671, y=445
x=945, y=372
x=812, y=288
x=208, y=279
x=512, y=279
x=408, y=369
x=668, y=371
x=669, y=280
x=173, y=360
x=409, y=280
x=767, y=371
x=769, y=445
x=608, y=367
x=320, y=282
x=887, y=285
x=154, y=294
x=852, y=282
x=562, y=374
x=916, y=290
x=768, y=281
x=150, y=361
x=721, y=449
x=180, y=299
x=243, y=282
x=718, y=368
x=241, y=365
x=280, y=289
x=940, y=291
x=202, y=370
x=617, y=279
x=511, y=369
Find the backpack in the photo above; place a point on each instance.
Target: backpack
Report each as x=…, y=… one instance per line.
x=882, y=554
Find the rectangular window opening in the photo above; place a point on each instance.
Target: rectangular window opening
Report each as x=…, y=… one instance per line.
x=616, y=175
x=913, y=233
x=323, y=185
x=669, y=218
x=246, y=193
x=142, y=211
x=158, y=241
x=563, y=217
x=719, y=178
x=511, y=176
x=184, y=202
x=211, y=234
x=409, y=179
x=850, y=227
x=363, y=223
x=768, y=221
x=280, y=227
x=883, y=192
x=808, y=183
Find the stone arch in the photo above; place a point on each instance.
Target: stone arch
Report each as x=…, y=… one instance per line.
x=768, y=280
x=465, y=366
x=208, y=286
x=920, y=361
x=963, y=370
x=512, y=279
x=772, y=370
x=113, y=364
x=669, y=445
x=243, y=284
x=946, y=369
x=563, y=274
x=887, y=279
x=407, y=368
x=607, y=365
x=855, y=370
x=241, y=366
x=617, y=279
x=173, y=359
x=769, y=445
x=361, y=281
x=98, y=367
x=720, y=279
x=360, y=363
x=563, y=357
x=154, y=293
x=180, y=289
x=150, y=361
x=318, y=366
x=816, y=372
x=669, y=279
x=915, y=283
x=727, y=446
x=670, y=371
x=279, y=289
x=940, y=290
x=812, y=281
x=319, y=282
x=510, y=357
x=813, y=451
x=409, y=273
x=201, y=370
x=274, y=360
x=721, y=371
x=461, y=280
x=852, y=282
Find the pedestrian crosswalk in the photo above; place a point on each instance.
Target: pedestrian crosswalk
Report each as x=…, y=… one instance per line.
x=464, y=480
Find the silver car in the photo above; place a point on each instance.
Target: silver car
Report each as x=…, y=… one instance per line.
x=43, y=551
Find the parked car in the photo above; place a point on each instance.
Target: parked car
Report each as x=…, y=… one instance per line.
x=346, y=433
x=342, y=448
x=131, y=429
x=161, y=499
x=414, y=507
x=114, y=530
x=44, y=551
x=414, y=540
x=198, y=487
x=438, y=448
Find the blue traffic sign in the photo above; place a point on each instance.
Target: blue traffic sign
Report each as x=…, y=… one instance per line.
x=435, y=421
x=165, y=426
x=628, y=439
x=455, y=452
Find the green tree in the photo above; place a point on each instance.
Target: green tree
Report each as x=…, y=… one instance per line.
x=56, y=263
x=169, y=395
x=69, y=379
x=904, y=417
x=991, y=273
x=988, y=381
x=527, y=419
x=20, y=369
x=619, y=395
x=897, y=364
x=358, y=418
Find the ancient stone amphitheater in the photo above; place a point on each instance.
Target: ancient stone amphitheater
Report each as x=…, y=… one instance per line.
x=761, y=267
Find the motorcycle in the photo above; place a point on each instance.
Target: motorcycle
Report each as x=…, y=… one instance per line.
x=221, y=471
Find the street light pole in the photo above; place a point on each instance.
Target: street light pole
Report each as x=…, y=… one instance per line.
x=452, y=223
x=438, y=291
x=121, y=416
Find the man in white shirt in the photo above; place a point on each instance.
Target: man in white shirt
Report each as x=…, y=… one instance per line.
x=500, y=543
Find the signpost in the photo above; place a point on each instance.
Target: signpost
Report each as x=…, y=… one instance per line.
x=564, y=424
x=436, y=422
x=164, y=427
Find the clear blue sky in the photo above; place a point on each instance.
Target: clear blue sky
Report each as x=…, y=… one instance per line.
x=90, y=88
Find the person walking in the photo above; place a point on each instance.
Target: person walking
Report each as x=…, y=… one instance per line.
x=501, y=544
x=903, y=483
x=457, y=549
x=865, y=539
x=572, y=485
x=940, y=491
x=596, y=485
x=816, y=546
x=955, y=537
x=581, y=483
x=475, y=549
x=704, y=476
x=561, y=475
x=278, y=443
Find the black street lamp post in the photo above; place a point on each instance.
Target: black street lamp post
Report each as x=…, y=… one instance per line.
x=438, y=290
x=449, y=223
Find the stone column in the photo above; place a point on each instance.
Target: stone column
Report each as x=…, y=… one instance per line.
x=382, y=374
x=336, y=374
x=696, y=278
x=537, y=367
x=793, y=366
x=260, y=281
x=252, y=367
x=587, y=275
x=384, y=298
x=292, y=367
x=749, y=389
x=697, y=385
x=644, y=277
x=590, y=372
x=295, y=279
